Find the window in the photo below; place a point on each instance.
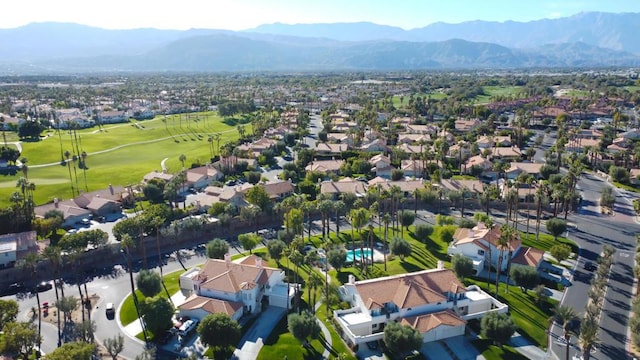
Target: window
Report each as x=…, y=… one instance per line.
x=480, y=252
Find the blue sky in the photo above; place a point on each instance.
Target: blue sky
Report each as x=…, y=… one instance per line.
x=244, y=14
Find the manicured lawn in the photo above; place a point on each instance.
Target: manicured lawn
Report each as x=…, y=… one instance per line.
x=282, y=345
x=136, y=151
x=128, y=311
x=546, y=241
x=493, y=352
x=626, y=187
x=532, y=321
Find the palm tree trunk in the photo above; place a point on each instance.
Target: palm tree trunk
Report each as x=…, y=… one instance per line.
x=55, y=286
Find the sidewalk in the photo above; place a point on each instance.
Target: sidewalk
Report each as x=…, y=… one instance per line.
x=526, y=348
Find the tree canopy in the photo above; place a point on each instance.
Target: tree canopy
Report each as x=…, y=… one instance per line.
x=401, y=339
x=462, y=266
x=149, y=282
x=497, y=327
x=400, y=247
x=303, y=326
x=216, y=248
x=525, y=276
x=76, y=350
x=157, y=312
x=219, y=331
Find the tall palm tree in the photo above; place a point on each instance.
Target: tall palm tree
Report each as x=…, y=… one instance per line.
x=4, y=136
x=30, y=265
x=83, y=156
x=156, y=222
x=565, y=315
x=53, y=254
x=502, y=244
x=510, y=234
x=386, y=219
x=540, y=199
x=127, y=245
x=67, y=155
x=588, y=337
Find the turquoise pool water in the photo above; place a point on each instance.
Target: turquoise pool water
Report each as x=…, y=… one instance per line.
x=356, y=254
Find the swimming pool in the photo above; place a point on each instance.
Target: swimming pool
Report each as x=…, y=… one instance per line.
x=356, y=254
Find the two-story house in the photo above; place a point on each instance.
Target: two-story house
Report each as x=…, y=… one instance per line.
x=432, y=301
x=234, y=288
x=481, y=245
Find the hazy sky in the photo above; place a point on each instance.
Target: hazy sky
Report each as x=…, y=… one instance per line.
x=244, y=14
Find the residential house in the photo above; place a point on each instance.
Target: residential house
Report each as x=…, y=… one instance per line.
x=279, y=190
x=511, y=153
x=408, y=187
x=256, y=148
x=330, y=149
x=233, y=288
x=200, y=177
x=112, y=117
x=477, y=161
x=15, y=246
x=381, y=165
x=326, y=166
x=71, y=212
x=487, y=142
x=165, y=176
x=377, y=145
x=467, y=125
x=346, y=185
x=412, y=149
x=518, y=168
x=340, y=138
x=10, y=122
x=412, y=168
x=433, y=302
x=413, y=138
x=481, y=245
x=421, y=129
x=473, y=187
x=578, y=145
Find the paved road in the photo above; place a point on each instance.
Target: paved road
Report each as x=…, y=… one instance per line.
x=592, y=231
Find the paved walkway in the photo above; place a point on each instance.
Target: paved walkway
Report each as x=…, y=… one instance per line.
x=526, y=348
x=163, y=165
x=251, y=343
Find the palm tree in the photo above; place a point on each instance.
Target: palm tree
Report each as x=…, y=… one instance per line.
x=83, y=156
x=588, y=337
x=502, y=244
x=30, y=264
x=128, y=244
x=312, y=283
x=539, y=199
x=565, y=315
x=53, y=254
x=338, y=207
x=510, y=234
x=67, y=155
x=4, y=136
x=182, y=159
x=156, y=222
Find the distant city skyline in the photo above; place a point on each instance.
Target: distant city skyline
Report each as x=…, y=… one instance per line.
x=246, y=14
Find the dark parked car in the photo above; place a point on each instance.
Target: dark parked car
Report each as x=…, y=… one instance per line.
x=590, y=266
x=44, y=286
x=13, y=289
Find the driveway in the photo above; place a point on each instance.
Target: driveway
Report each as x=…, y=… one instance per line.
x=252, y=341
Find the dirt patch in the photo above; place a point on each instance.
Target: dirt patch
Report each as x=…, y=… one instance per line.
x=51, y=316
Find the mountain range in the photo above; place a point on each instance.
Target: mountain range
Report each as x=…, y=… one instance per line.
x=583, y=40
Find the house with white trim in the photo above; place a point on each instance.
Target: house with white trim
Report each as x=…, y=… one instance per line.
x=481, y=245
x=432, y=301
x=246, y=287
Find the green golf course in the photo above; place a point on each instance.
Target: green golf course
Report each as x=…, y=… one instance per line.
x=118, y=154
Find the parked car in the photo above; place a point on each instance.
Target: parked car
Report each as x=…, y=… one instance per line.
x=110, y=310
x=187, y=328
x=44, y=286
x=590, y=266
x=13, y=289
